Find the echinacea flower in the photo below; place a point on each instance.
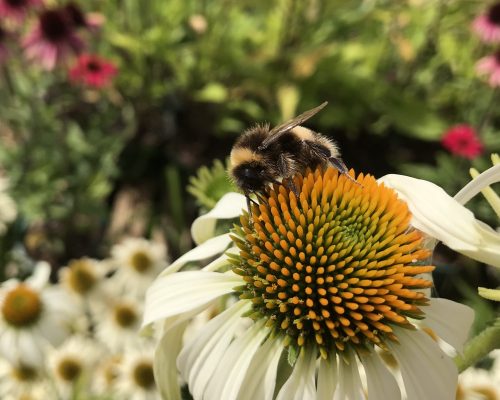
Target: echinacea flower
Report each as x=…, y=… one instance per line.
x=118, y=323
x=52, y=39
x=480, y=383
x=487, y=25
x=16, y=9
x=92, y=70
x=324, y=280
x=79, y=19
x=71, y=364
x=84, y=279
x=22, y=381
x=462, y=140
x=490, y=67
x=33, y=317
x=138, y=262
x=135, y=379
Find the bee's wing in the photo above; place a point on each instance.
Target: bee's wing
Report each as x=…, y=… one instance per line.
x=279, y=130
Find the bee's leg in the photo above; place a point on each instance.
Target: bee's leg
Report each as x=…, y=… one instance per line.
x=290, y=185
x=261, y=197
x=341, y=167
x=249, y=202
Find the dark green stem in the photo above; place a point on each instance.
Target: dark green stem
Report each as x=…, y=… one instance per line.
x=479, y=346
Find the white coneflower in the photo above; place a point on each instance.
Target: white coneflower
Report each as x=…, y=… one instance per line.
x=8, y=209
x=84, y=279
x=105, y=376
x=118, y=323
x=323, y=280
x=34, y=315
x=135, y=380
x=481, y=384
x=22, y=381
x=138, y=262
x=71, y=365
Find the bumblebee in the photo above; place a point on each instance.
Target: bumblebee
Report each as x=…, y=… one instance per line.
x=262, y=156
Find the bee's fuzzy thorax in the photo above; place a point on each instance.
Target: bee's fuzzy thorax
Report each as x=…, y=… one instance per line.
x=242, y=155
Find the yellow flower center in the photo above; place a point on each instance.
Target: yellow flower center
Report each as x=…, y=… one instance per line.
x=141, y=262
x=81, y=277
x=69, y=369
x=24, y=373
x=22, y=306
x=143, y=375
x=125, y=315
x=334, y=268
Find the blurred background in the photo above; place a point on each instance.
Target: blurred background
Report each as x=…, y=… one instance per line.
x=110, y=108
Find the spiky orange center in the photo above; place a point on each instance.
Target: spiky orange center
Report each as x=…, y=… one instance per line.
x=337, y=267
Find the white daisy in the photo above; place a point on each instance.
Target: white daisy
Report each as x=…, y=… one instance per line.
x=21, y=381
x=84, y=279
x=481, y=384
x=322, y=280
x=138, y=262
x=106, y=373
x=8, y=209
x=118, y=324
x=135, y=380
x=71, y=365
x=34, y=316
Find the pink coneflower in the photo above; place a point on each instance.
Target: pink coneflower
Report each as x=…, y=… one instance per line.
x=52, y=39
x=93, y=71
x=490, y=66
x=487, y=25
x=462, y=140
x=80, y=19
x=16, y=9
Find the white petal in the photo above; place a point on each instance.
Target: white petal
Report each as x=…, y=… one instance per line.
x=327, y=378
x=205, y=250
x=40, y=275
x=427, y=372
x=219, y=262
x=233, y=367
x=178, y=293
x=350, y=386
x=440, y=216
x=485, y=179
x=229, y=206
x=301, y=384
x=451, y=321
x=260, y=382
x=165, y=369
x=381, y=383
x=200, y=355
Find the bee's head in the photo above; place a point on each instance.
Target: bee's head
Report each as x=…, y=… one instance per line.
x=251, y=176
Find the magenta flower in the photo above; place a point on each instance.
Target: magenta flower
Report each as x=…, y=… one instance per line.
x=52, y=39
x=490, y=67
x=93, y=71
x=487, y=25
x=462, y=140
x=16, y=9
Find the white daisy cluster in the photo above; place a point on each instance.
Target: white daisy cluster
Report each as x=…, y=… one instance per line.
x=80, y=338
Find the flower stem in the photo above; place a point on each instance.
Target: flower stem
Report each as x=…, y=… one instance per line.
x=479, y=346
